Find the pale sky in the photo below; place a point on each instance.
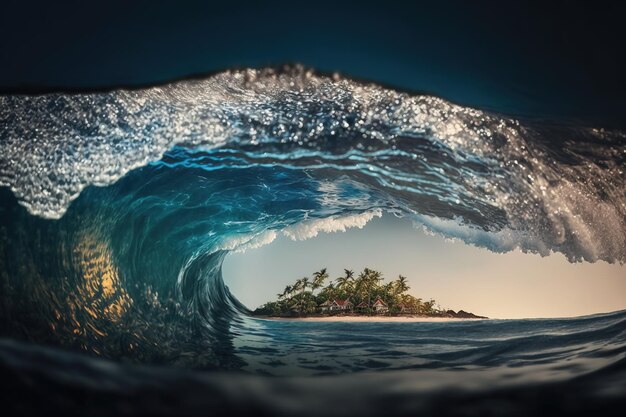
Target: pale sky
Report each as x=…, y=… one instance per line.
x=457, y=276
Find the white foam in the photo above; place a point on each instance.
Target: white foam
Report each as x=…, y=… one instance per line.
x=500, y=241
x=307, y=229
x=240, y=244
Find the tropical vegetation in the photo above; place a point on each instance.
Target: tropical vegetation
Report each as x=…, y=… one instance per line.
x=364, y=292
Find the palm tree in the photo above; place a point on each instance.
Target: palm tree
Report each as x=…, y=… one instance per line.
x=297, y=286
x=346, y=282
x=373, y=281
x=419, y=305
x=388, y=293
x=287, y=291
x=360, y=284
x=428, y=306
x=304, y=282
x=402, y=285
x=330, y=291
x=349, y=274
x=318, y=279
x=366, y=282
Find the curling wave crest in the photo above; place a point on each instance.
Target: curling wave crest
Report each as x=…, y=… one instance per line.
x=480, y=177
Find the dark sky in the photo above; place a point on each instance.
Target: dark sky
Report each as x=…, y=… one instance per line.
x=563, y=60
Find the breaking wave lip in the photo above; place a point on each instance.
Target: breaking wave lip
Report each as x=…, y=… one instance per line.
x=306, y=229
x=555, y=188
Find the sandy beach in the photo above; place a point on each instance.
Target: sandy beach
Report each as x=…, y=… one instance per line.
x=364, y=319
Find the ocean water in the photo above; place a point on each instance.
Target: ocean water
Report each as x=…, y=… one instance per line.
x=118, y=209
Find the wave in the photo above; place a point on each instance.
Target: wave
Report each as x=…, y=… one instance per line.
x=555, y=188
x=124, y=204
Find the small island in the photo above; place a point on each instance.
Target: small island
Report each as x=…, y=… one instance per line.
x=353, y=296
